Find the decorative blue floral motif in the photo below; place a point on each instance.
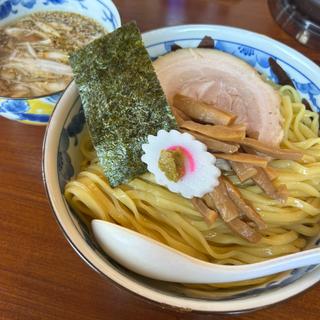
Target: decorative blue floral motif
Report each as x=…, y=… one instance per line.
x=76, y=126
x=109, y=17
x=53, y=98
x=17, y=110
x=108, y=14
x=310, y=89
x=26, y=3
x=17, y=106
x=14, y=109
x=54, y=2
x=65, y=168
x=247, y=51
x=47, y=2
x=254, y=57
x=5, y=9
x=8, y=6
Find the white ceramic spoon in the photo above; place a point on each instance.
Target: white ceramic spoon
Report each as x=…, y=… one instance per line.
x=155, y=260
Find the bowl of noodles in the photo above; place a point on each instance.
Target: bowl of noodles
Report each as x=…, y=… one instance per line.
x=36, y=38
x=78, y=190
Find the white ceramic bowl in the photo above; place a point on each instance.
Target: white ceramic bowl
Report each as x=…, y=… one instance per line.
x=37, y=110
x=61, y=158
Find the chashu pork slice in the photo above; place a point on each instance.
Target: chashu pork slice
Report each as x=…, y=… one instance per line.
x=228, y=83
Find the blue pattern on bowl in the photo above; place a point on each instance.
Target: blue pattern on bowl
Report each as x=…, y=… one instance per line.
x=108, y=15
x=14, y=106
x=81, y=2
x=54, y=98
x=65, y=168
x=68, y=135
x=10, y=6
x=75, y=125
x=17, y=110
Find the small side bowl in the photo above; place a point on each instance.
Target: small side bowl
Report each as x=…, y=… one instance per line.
x=37, y=110
x=62, y=158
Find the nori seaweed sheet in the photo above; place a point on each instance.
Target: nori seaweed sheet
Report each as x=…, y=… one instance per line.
x=122, y=99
